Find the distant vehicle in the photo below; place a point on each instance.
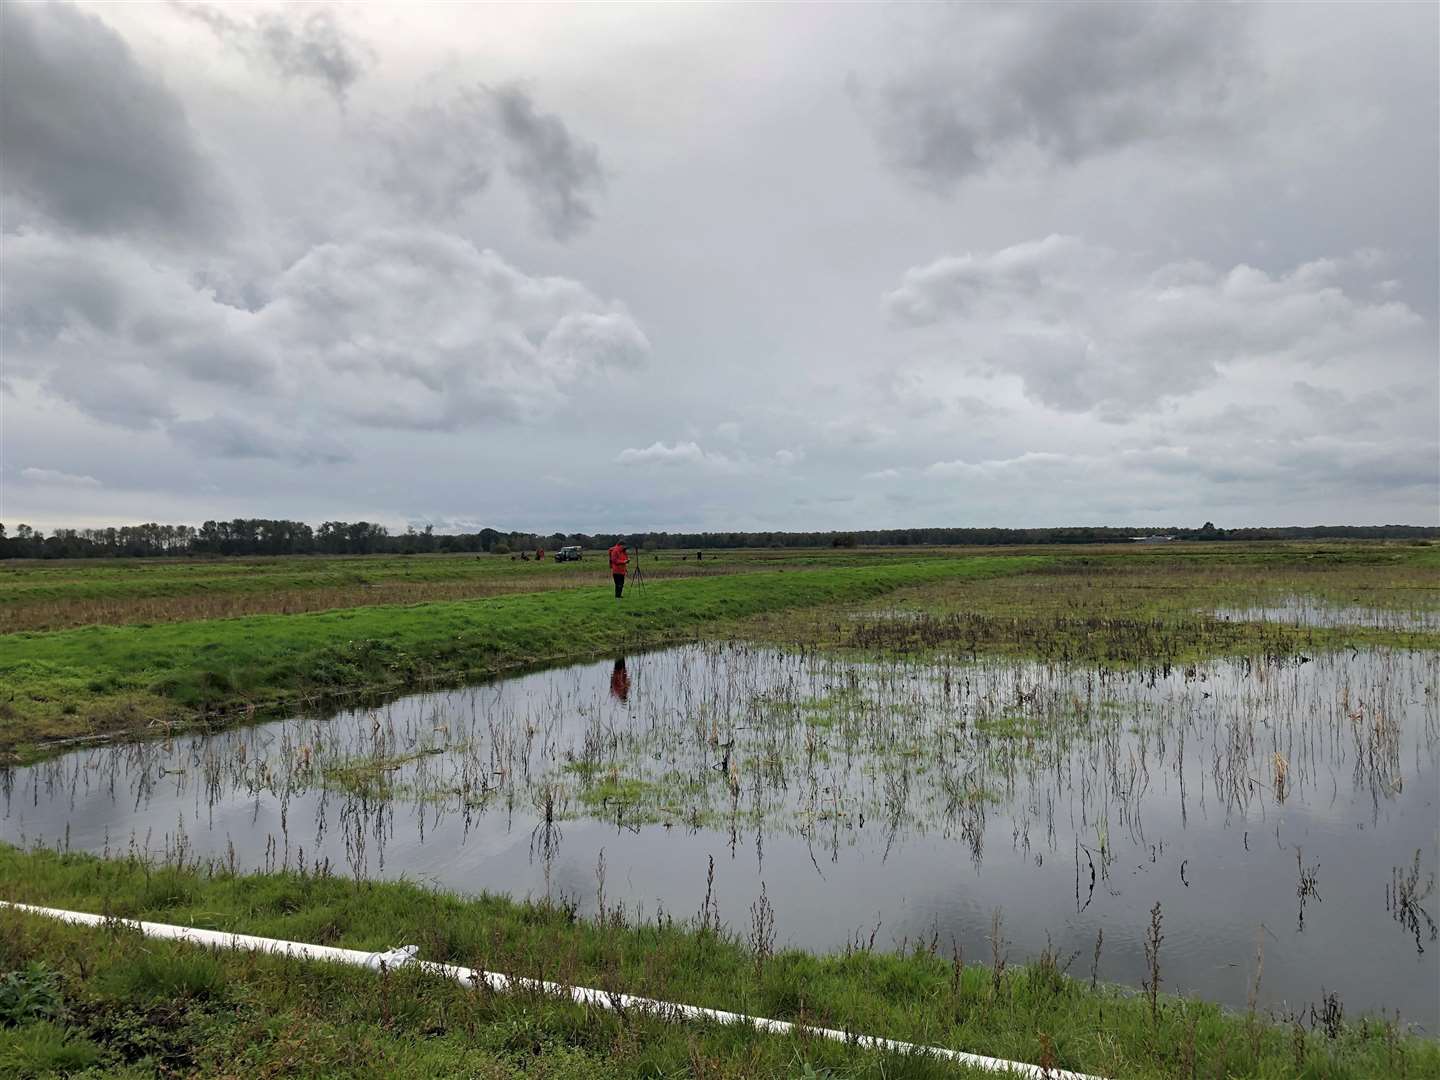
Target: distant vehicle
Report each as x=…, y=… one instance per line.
x=568, y=554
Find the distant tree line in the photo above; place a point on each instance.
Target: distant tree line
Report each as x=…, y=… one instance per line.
x=263, y=536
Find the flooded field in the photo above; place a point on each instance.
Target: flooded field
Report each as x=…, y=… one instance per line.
x=1311, y=611
x=1283, y=816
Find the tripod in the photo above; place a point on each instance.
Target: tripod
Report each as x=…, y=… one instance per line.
x=635, y=573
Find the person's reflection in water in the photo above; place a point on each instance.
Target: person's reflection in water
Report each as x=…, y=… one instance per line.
x=620, y=682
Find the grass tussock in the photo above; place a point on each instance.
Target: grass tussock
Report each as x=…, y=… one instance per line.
x=113, y=1003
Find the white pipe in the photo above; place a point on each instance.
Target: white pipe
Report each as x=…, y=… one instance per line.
x=405, y=956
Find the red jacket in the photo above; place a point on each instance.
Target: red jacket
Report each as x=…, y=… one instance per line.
x=618, y=559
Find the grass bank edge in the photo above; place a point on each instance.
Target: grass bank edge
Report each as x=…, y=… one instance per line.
x=96, y=681
x=1030, y=1013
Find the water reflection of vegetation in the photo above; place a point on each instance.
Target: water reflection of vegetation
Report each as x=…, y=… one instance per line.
x=113, y=679
x=798, y=742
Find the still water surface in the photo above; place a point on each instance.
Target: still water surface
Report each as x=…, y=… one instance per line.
x=1265, y=808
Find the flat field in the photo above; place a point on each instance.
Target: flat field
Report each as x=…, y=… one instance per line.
x=1227, y=753
x=134, y=677
x=154, y=644
x=54, y=595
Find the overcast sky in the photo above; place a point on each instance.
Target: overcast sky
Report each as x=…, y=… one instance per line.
x=720, y=267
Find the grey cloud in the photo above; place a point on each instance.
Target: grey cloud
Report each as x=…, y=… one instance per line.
x=1229, y=420
x=1324, y=462
x=560, y=172
x=1352, y=464
x=1371, y=410
x=368, y=309
x=498, y=344
x=1320, y=466
x=1086, y=329
x=1069, y=81
x=1317, y=462
x=295, y=45
x=126, y=395
x=127, y=340
x=91, y=141
x=438, y=157
x=84, y=311
x=227, y=435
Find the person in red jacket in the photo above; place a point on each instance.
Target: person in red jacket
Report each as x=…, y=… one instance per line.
x=619, y=563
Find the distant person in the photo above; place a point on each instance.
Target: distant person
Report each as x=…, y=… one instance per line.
x=699, y=555
x=619, y=564
x=620, y=682
x=539, y=554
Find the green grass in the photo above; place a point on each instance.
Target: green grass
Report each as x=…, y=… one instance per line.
x=83, y=682
x=149, y=1005
x=23, y=580
x=1119, y=607
x=58, y=594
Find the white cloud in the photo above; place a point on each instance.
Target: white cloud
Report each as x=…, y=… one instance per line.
x=407, y=329
x=1027, y=464
x=423, y=330
x=57, y=478
x=680, y=455
x=690, y=455
x=1087, y=329
x=658, y=453
x=212, y=275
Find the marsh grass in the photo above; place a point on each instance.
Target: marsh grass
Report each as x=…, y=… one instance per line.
x=99, y=680
x=827, y=759
x=61, y=594
x=961, y=695
x=1150, y=611
x=269, y=1014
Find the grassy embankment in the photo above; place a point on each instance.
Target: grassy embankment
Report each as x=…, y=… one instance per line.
x=55, y=595
x=108, y=679
x=123, y=1006
x=1147, y=607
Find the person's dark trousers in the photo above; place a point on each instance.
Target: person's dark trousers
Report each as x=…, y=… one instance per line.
x=619, y=584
